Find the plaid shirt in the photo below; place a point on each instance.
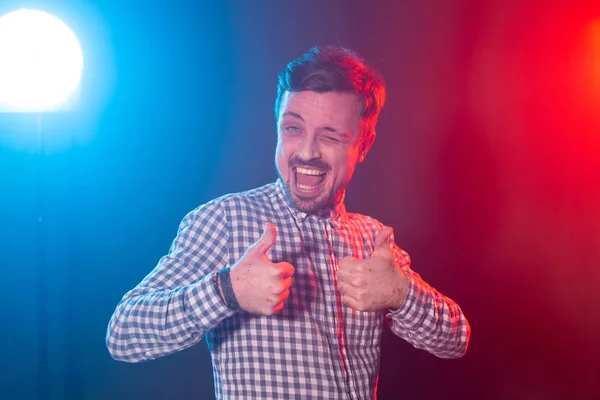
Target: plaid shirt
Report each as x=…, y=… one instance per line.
x=315, y=347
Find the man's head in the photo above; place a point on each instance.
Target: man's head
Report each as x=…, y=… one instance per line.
x=327, y=106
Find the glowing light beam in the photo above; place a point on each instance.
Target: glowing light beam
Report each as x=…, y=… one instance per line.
x=41, y=62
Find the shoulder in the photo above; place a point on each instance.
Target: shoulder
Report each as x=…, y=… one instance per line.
x=234, y=203
x=366, y=223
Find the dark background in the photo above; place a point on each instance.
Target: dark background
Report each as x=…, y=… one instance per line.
x=486, y=164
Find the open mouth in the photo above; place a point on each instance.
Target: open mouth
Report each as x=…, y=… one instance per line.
x=308, y=179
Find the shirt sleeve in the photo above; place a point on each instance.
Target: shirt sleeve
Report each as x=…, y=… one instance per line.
x=177, y=303
x=427, y=319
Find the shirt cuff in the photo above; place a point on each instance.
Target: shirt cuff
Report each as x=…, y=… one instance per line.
x=204, y=303
x=408, y=308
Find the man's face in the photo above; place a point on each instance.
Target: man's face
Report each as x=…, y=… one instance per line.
x=318, y=146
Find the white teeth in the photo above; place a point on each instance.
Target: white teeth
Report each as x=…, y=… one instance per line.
x=304, y=187
x=306, y=171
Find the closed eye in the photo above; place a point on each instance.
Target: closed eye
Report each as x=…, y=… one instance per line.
x=336, y=139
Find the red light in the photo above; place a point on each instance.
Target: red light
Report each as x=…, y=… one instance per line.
x=594, y=57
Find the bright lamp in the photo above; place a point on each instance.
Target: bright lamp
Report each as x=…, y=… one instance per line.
x=40, y=62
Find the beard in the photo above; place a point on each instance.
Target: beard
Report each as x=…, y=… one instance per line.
x=317, y=205
x=307, y=204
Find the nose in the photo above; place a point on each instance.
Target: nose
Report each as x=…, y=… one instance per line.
x=309, y=149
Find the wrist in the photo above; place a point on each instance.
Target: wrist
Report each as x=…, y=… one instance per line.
x=399, y=292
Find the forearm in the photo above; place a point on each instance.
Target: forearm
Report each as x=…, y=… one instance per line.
x=149, y=323
x=430, y=321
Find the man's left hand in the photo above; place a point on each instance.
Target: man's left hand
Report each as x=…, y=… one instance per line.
x=375, y=283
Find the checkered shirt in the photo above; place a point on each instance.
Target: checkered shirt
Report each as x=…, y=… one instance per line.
x=315, y=347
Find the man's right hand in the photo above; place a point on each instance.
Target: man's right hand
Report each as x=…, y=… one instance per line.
x=260, y=286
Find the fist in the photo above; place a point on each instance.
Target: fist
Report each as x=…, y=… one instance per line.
x=373, y=284
x=260, y=286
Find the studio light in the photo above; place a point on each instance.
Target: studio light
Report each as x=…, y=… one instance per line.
x=40, y=62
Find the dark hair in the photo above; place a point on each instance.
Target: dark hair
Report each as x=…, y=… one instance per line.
x=335, y=69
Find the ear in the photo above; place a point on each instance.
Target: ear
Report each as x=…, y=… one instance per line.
x=365, y=145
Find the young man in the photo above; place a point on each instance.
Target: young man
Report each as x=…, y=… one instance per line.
x=290, y=290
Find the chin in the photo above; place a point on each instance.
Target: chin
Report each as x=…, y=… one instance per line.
x=307, y=204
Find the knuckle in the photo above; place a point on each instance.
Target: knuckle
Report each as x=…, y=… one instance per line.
x=263, y=310
x=286, y=268
x=275, y=274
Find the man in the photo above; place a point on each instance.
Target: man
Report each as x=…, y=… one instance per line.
x=291, y=290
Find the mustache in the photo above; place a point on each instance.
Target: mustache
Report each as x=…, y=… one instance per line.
x=318, y=164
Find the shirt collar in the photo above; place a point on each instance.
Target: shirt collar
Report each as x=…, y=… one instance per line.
x=335, y=217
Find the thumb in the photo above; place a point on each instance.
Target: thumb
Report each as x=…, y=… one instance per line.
x=267, y=239
x=381, y=239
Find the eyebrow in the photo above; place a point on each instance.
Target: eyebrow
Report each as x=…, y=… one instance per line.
x=298, y=116
x=293, y=114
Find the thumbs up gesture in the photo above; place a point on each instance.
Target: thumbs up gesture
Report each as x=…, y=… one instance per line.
x=260, y=286
x=375, y=283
